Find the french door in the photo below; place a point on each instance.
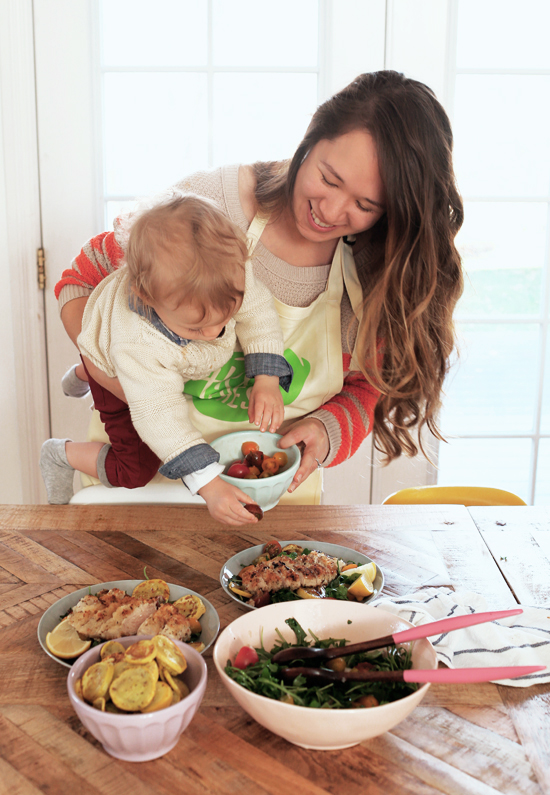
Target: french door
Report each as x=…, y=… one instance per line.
x=133, y=95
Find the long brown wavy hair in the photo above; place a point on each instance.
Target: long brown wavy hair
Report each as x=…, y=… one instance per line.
x=414, y=274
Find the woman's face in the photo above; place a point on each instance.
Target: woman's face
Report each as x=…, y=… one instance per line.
x=338, y=189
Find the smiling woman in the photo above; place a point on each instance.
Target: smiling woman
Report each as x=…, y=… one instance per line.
x=355, y=239
x=338, y=190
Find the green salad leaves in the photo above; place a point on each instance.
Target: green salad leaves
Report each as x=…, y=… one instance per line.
x=265, y=679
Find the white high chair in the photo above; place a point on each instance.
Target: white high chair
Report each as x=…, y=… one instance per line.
x=159, y=490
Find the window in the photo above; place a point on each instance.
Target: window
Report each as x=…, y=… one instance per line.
x=194, y=85
x=497, y=412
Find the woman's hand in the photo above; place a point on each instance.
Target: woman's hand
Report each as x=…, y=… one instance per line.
x=311, y=437
x=224, y=502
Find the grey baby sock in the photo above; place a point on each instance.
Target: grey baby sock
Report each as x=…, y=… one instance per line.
x=56, y=471
x=72, y=385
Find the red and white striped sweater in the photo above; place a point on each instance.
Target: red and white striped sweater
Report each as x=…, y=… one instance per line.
x=348, y=417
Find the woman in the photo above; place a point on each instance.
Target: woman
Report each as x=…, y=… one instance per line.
x=355, y=239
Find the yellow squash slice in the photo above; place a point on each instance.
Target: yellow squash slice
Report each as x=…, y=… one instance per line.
x=292, y=548
x=168, y=655
x=120, y=666
x=134, y=689
x=78, y=689
x=191, y=606
x=161, y=699
x=239, y=591
x=151, y=589
x=97, y=679
x=143, y=651
x=111, y=647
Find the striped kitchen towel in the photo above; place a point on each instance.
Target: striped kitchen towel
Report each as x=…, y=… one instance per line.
x=518, y=640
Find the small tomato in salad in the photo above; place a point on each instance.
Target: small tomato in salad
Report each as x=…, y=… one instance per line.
x=272, y=548
x=246, y=656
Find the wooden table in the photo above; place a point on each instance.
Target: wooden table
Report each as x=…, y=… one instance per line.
x=461, y=739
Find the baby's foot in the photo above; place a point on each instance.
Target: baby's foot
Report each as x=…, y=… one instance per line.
x=57, y=473
x=72, y=385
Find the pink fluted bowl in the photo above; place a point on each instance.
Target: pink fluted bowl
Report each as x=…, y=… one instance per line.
x=139, y=737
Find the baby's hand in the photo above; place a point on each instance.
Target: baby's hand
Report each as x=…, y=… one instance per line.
x=224, y=502
x=266, y=407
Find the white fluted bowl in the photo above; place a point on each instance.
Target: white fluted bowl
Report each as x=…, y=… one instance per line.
x=265, y=491
x=319, y=729
x=140, y=737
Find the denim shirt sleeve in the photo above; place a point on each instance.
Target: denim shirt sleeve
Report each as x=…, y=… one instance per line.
x=191, y=460
x=269, y=364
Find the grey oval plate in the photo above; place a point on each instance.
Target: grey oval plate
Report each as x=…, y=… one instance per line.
x=210, y=621
x=234, y=565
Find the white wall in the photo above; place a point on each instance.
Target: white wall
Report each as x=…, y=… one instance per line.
x=24, y=419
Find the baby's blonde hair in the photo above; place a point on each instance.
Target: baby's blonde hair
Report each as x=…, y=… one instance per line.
x=180, y=248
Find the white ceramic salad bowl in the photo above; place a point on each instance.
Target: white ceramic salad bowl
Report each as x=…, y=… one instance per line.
x=319, y=729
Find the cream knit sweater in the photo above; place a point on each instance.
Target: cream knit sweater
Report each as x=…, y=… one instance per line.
x=152, y=369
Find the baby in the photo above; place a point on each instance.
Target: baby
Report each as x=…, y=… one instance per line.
x=172, y=312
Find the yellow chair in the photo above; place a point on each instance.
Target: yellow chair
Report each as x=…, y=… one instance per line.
x=453, y=495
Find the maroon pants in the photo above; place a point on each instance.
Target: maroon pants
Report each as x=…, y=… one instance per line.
x=129, y=462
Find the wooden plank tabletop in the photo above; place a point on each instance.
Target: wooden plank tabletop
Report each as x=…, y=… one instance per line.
x=461, y=739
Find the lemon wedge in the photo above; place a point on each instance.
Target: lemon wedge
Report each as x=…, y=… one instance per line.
x=65, y=642
x=368, y=569
x=310, y=593
x=361, y=588
x=239, y=591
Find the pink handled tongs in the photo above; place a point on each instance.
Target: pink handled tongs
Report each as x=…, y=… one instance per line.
x=440, y=675
x=415, y=633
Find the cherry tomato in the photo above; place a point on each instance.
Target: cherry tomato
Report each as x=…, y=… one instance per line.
x=281, y=458
x=238, y=471
x=246, y=656
x=366, y=701
x=270, y=465
x=265, y=475
x=248, y=447
x=262, y=599
x=254, y=471
x=272, y=548
x=255, y=458
x=255, y=510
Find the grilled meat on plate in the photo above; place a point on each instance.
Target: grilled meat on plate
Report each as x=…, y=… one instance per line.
x=114, y=614
x=110, y=614
x=167, y=621
x=281, y=572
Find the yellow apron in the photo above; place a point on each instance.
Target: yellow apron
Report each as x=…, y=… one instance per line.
x=312, y=334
